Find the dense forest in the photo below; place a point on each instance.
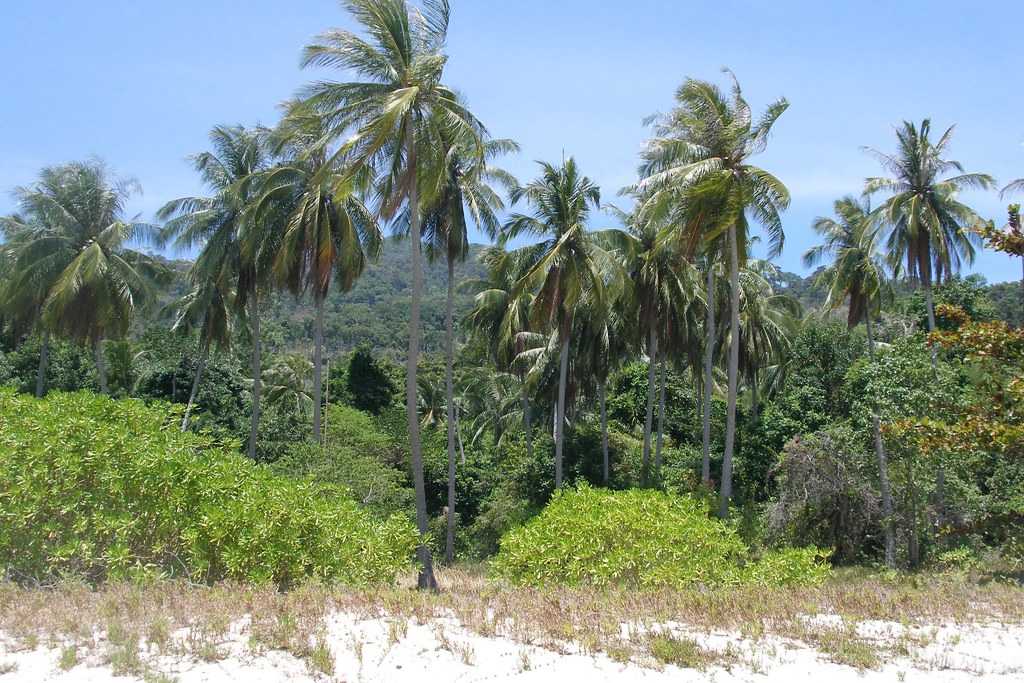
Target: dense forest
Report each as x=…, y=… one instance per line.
x=338, y=329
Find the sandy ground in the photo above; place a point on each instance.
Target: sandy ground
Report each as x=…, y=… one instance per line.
x=376, y=650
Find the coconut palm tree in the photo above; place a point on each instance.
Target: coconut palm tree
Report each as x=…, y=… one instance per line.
x=499, y=318
x=75, y=236
x=393, y=118
x=207, y=308
x=858, y=275
x=660, y=285
x=23, y=289
x=563, y=272
x=287, y=381
x=329, y=233
x=699, y=162
x=220, y=224
x=930, y=228
x=463, y=189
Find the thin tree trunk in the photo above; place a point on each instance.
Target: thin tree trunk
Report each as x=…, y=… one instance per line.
x=256, y=368
x=101, y=367
x=709, y=358
x=754, y=399
x=913, y=547
x=458, y=437
x=426, y=579
x=563, y=373
x=940, y=474
x=526, y=422
x=606, y=471
x=449, y=380
x=44, y=363
x=200, y=366
x=734, y=362
x=318, y=367
x=652, y=360
x=661, y=423
x=883, y=470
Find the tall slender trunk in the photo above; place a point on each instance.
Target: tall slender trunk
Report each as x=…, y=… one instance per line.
x=652, y=361
x=606, y=469
x=754, y=398
x=734, y=362
x=256, y=368
x=101, y=366
x=526, y=421
x=449, y=381
x=44, y=363
x=200, y=366
x=913, y=546
x=709, y=359
x=940, y=473
x=426, y=579
x=661, y=423
x=318, y=368
x=458, y=437
x=563, y=373
x=930, y=302
x=883, y=470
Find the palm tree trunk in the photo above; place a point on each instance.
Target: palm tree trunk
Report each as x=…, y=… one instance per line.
x=930, y=302
x=426, y=579
x=606, y=471
x=44, y=363
x=940, y=474
x=754, y=399
x=101, y=366
x=709, y=359
x=734, y=362
x=563, y=372
x=449, y=379
x=526, y=422
x=883, y=471
x=318, y=367
x=200, y=366
x=652, y=360
x=458, y=436
x=256, y=368
x=661, y=423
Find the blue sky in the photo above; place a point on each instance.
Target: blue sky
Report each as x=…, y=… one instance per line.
x=140, y=84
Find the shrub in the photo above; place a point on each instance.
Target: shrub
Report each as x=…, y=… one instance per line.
x=104, y=488
x=638, y=538
x=355, y=456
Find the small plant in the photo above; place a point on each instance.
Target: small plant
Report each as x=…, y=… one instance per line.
x=68, y=658
x=681, y=652
x=398, y=628
x=320, y=658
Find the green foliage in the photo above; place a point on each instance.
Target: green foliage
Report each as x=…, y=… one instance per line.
x=369, y=387
x=968, y=293
x=638, y=538
x=104, y=488
x=356, y=457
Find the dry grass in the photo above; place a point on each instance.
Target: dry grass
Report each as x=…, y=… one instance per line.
x=131, y=624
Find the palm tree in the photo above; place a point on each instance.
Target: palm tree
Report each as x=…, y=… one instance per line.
x=218, y=223
x=499, y=317
x=699, y=159
x=1014, y=224
x=206, y=308
x=399, y=112
x=287, y=382
x=563, y=273
x=74, y=237
x=463, y=188
x=660, y=286
x=930, y=227
x=857, y=275
x=24, y=289
x=329, y=235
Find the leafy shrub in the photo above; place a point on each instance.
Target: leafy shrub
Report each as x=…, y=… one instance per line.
x=638, y=538
x=355, y=456
x=102, y=488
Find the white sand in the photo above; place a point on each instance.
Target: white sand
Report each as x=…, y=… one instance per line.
x=363, y=650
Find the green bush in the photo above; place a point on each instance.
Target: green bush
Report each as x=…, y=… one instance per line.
x=103, y=488
x=355, y=455
x=639, y=538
